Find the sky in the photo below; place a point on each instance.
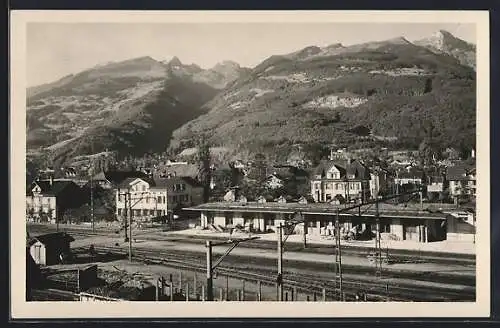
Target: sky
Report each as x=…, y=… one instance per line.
x=55, y=50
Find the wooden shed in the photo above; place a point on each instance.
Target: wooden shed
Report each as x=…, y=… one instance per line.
x=47, y=249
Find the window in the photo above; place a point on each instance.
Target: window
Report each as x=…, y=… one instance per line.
x=143, y=188
x=147, y=199
x=152, y=212
x=119, y=197
x=316, y=186
x=137, y=212
x=164, y=200
x=174, y=199
x=159, y=199
x=158, y=212
x=119, y=211
x=144, y=212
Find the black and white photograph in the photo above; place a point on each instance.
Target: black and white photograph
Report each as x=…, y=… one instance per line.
x=295, y=161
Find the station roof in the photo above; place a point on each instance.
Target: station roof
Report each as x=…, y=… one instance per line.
x=385, y=210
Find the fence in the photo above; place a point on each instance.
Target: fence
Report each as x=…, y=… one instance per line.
x=87, y=297
x=74, y=280
x=192, y=287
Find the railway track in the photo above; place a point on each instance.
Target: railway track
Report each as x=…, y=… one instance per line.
x=397, y=255
x=375, y=291
x=38, y=295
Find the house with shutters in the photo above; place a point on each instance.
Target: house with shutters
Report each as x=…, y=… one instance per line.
x=461, y=180
x=111, y=179
x=349, y=179
x=47, y=200
x=147, y=198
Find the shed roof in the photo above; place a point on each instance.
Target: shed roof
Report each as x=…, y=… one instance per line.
x=53, y=188
x=52, y=238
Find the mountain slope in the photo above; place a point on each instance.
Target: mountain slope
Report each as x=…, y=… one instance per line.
x=131, y=107
x=398, y=90
x=217, y=77
x=445, y=42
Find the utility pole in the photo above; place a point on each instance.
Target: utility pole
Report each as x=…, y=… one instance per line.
x=92, y=189
x=130, y=229
x=125, y=210
x=210, y=291
x=279, y=279
x=211, y=267
x=378, y=248
x=338, y=256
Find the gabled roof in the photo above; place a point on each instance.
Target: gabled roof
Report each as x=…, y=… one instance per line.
x=170, y=182
x=52, y=238
x=52, y=189
x=355, y=168
x=181, y=170
x=126, y=183
x=460, y=171
x=117, y=177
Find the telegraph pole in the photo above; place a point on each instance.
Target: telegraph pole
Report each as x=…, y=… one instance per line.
x=211, y=267
x=338, y=256
x=130, y=229
x=125, y=209
x=210, y=291
x=92, y=190
x=280, y=263
x=378, y=248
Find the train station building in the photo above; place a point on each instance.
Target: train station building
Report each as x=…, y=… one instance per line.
x=396, y=222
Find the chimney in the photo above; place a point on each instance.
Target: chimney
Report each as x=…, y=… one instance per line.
x=473, y=153
x=51, y=180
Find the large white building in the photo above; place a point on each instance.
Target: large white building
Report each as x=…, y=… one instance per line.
x=148, y=198
x=346, y=180
x=46, y=200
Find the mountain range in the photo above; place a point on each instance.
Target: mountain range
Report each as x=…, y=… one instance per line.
x=393, y=91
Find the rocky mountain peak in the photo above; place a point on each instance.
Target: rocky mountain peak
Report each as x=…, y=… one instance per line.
x=175, y=61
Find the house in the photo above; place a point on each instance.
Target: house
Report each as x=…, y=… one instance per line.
x=48, y=199
x=350, y=179
x=111, y=179
x=47, y=249
x=409, y=175
x=180, y=169
x=435, y=182
x=462, y=180
x=281, y=175
x=148, y=198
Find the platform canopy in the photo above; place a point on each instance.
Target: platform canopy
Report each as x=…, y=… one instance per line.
x=385, y=210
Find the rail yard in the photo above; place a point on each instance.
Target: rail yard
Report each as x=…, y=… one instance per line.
x=249, y=272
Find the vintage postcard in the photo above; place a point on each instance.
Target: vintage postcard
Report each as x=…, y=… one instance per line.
x=249, y=164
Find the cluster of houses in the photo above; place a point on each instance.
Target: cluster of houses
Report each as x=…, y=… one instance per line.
x=155, y=192
x=143, y=195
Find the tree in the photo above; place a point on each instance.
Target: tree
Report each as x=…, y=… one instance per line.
x=204, y=170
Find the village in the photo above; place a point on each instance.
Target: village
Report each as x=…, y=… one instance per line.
x=382, y=208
